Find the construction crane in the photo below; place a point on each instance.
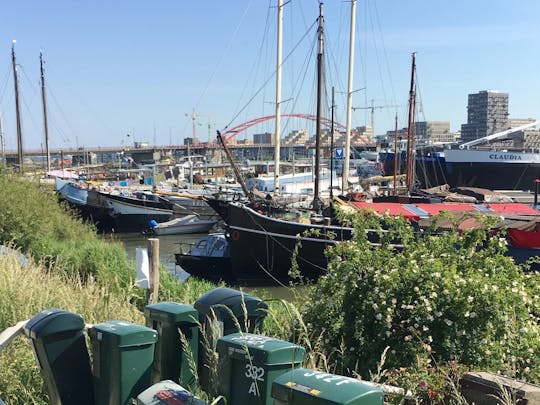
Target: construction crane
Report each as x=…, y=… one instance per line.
x=210, y=124
x=193, y=117
x=372, y=107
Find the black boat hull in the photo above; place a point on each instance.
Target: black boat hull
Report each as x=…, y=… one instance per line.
x=213, y=269
x=263, y=248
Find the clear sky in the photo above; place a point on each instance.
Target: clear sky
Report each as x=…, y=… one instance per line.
x=119, y=68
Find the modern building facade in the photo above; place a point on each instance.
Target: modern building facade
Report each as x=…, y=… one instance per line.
x=487, y=113
x=433, y=131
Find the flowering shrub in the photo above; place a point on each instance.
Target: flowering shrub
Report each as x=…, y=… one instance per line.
x=437, y=296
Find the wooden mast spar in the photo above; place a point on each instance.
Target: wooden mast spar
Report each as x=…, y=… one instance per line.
x=17, y=108
x=410, y=129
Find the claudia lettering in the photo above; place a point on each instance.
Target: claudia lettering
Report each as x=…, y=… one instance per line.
x=497, y=156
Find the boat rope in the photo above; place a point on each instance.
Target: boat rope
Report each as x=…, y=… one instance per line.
x=275, y=240
x=261, y=88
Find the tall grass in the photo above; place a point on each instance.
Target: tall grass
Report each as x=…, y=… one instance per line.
x=26, y=291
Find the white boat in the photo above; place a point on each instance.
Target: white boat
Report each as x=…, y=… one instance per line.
x=183, y=225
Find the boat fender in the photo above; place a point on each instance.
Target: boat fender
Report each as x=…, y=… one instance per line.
x=153, y=223
x=235, y=235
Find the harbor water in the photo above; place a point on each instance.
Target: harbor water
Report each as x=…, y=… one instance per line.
x=171, y=244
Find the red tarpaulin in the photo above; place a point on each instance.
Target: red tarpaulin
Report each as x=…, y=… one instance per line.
x=434, y=209
x=387, y=208
x=513, y=208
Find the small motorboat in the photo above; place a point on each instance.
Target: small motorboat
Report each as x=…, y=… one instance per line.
x=209, y=258
x=187, y=224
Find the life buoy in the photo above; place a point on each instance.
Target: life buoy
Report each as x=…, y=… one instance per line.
x=235, y=235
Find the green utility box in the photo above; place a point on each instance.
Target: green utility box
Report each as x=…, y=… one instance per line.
x=249, y=363
x=232, y=309
x=308, y=387
x=175, y=323
x=223, y=311
x=122, y=361
x=167, y=392
x=60, y=349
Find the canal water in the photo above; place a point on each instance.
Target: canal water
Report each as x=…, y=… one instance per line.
x=171, y=244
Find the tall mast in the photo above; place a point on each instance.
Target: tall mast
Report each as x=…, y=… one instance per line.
x=2, y=141
x=345, y=177
x=332, y=147
x=277, y=148
x=395, y=157
x=410, y=129
x=44, y=102
x=317, y=204
x=17, y=109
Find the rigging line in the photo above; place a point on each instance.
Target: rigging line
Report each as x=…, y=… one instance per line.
x=227, y=48
x=268, y=273
x=3, y=89
x=394, y=101
x=62, y=113
x=282, y=245
x=269, y=78
x=377, y=58
x=300, y=83
x=258, y=59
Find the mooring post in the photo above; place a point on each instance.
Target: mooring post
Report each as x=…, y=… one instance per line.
x=153, y=259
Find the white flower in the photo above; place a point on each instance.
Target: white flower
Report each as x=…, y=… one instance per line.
x=433, y=294
x=472, y=314
x=378, y=317
x=416, y=289
x=470, y=299
x=408, y=338
x=448, y=322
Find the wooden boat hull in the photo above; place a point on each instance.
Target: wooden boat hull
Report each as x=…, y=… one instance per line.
x=262, y=247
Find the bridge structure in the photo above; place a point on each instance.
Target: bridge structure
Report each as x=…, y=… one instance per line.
x=240, y=150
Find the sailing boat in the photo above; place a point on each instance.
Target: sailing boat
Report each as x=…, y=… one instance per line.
x=263, y=238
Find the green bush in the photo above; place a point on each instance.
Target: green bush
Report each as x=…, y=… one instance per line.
x=444, y=297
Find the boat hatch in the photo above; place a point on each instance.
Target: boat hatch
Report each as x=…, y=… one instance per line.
x=482, y=208
x=416, y=210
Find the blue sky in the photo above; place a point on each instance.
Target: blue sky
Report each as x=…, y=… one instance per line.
x=121, y=67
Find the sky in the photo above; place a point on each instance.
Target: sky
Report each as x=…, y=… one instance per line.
x=123, y=71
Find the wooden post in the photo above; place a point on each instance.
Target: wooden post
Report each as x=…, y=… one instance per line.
x=153, y=259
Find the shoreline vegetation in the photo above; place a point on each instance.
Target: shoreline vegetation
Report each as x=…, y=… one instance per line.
x=416, y=318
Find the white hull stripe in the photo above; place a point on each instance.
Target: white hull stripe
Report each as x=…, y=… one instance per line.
x=280, y=235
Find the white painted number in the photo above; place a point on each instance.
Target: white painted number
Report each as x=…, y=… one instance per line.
x=257, y=374
x=254, y=372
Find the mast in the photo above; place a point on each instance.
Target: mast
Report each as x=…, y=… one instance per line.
x=17, y=109
x=239, y=178
x=2, y=141
x=345, y=178
x=44, y=103
x=395, y=157
x=410, y=129
x=277, y=148
x=317, y=204
x=332, y=147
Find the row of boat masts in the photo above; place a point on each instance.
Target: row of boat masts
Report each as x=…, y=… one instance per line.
x=320, y=64
x=20, y=157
